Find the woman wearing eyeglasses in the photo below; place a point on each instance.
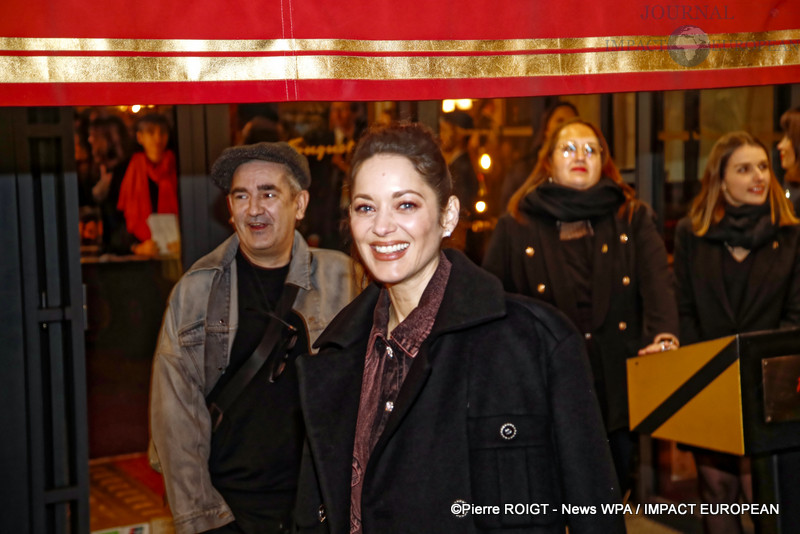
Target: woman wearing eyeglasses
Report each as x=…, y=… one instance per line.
x=577, y=237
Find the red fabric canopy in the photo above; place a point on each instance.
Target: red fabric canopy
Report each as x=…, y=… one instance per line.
x=72, y=52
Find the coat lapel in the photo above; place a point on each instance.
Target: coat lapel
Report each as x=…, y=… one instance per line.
x=330, y=391
x=758, y=280
x=412, y=386
x=456, y=312
x=709, y=260
x=330, y=409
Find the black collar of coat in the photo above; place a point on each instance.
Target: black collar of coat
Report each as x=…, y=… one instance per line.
x=472, y=296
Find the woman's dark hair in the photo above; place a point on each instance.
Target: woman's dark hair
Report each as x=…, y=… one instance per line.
x=113, y=129
x=153, y=119
x=541, y=133
x=544, y=170
x=790, y=124
x=708, y=206
x=413, y=141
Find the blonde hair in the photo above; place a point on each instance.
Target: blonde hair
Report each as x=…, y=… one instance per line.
x=708, y=206
x=544, y=169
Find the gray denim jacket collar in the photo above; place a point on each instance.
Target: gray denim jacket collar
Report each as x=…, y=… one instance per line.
x=222, y=312
x=299, y=267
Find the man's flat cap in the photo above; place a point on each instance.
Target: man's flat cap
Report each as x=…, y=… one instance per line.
x=230, y=159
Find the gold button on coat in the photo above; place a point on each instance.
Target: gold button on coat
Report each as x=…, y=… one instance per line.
x=623, y=238
x=604, y=248
x=623, y=325
x=540, y=288
x=774, y=245
x=626, y=281
x=529, y=251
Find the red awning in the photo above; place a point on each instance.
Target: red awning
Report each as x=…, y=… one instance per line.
x=72, y=52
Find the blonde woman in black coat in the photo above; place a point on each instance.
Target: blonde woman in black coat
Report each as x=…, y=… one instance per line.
x=576, y=237
x=737, y=264
x=434, y=391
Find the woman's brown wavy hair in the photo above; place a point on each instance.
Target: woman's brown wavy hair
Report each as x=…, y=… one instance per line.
x=790, y=124
x=544, y=170
x=708, y=206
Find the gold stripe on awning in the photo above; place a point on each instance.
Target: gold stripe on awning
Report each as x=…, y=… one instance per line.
x=614, y=59
x=169, y=46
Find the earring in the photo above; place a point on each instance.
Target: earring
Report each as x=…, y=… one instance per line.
x=550, y=179
x=447, y=233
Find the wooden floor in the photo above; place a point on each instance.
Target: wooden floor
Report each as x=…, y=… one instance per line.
x=127, y=497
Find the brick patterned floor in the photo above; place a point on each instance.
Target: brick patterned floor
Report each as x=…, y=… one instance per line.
x=122, y=494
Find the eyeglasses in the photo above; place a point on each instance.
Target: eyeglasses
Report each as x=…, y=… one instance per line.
x=280, y=356
x=570, y=149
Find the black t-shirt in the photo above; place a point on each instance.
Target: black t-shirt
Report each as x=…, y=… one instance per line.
x=579, y=268
x=256, y=451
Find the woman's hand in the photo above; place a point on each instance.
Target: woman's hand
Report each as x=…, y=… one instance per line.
x=661, y=343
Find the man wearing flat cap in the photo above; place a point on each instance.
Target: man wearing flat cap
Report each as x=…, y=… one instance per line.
x=225, y=418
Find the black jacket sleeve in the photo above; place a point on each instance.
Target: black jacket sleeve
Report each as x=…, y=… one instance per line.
x=687, y=305
x=584, y=462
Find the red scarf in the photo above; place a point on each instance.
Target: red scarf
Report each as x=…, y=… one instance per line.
x=134, y=194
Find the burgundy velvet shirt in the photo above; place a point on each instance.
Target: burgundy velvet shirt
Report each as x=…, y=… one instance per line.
x=386, y=365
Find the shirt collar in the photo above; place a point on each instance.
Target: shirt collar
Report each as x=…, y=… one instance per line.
x=410, y=334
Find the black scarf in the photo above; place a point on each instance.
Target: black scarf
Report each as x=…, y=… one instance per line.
x=567, y=204
x=744, y=226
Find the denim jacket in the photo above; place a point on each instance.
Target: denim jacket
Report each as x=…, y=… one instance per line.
x=193, y=351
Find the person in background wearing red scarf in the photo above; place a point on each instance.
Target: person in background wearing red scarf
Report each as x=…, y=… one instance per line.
x=150, y=184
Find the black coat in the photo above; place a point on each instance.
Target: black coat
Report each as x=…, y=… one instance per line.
x=632, y=289
x=491, y=361
x=772, y=297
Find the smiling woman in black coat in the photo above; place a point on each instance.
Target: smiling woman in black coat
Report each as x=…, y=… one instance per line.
x=576, y=237
x=436, y=397
x=737, y=264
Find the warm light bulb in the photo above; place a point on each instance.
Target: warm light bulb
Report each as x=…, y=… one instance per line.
x=485, y=162
x=448, y=105
x=480, y=206
x=136, y=109
x=464, y=103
